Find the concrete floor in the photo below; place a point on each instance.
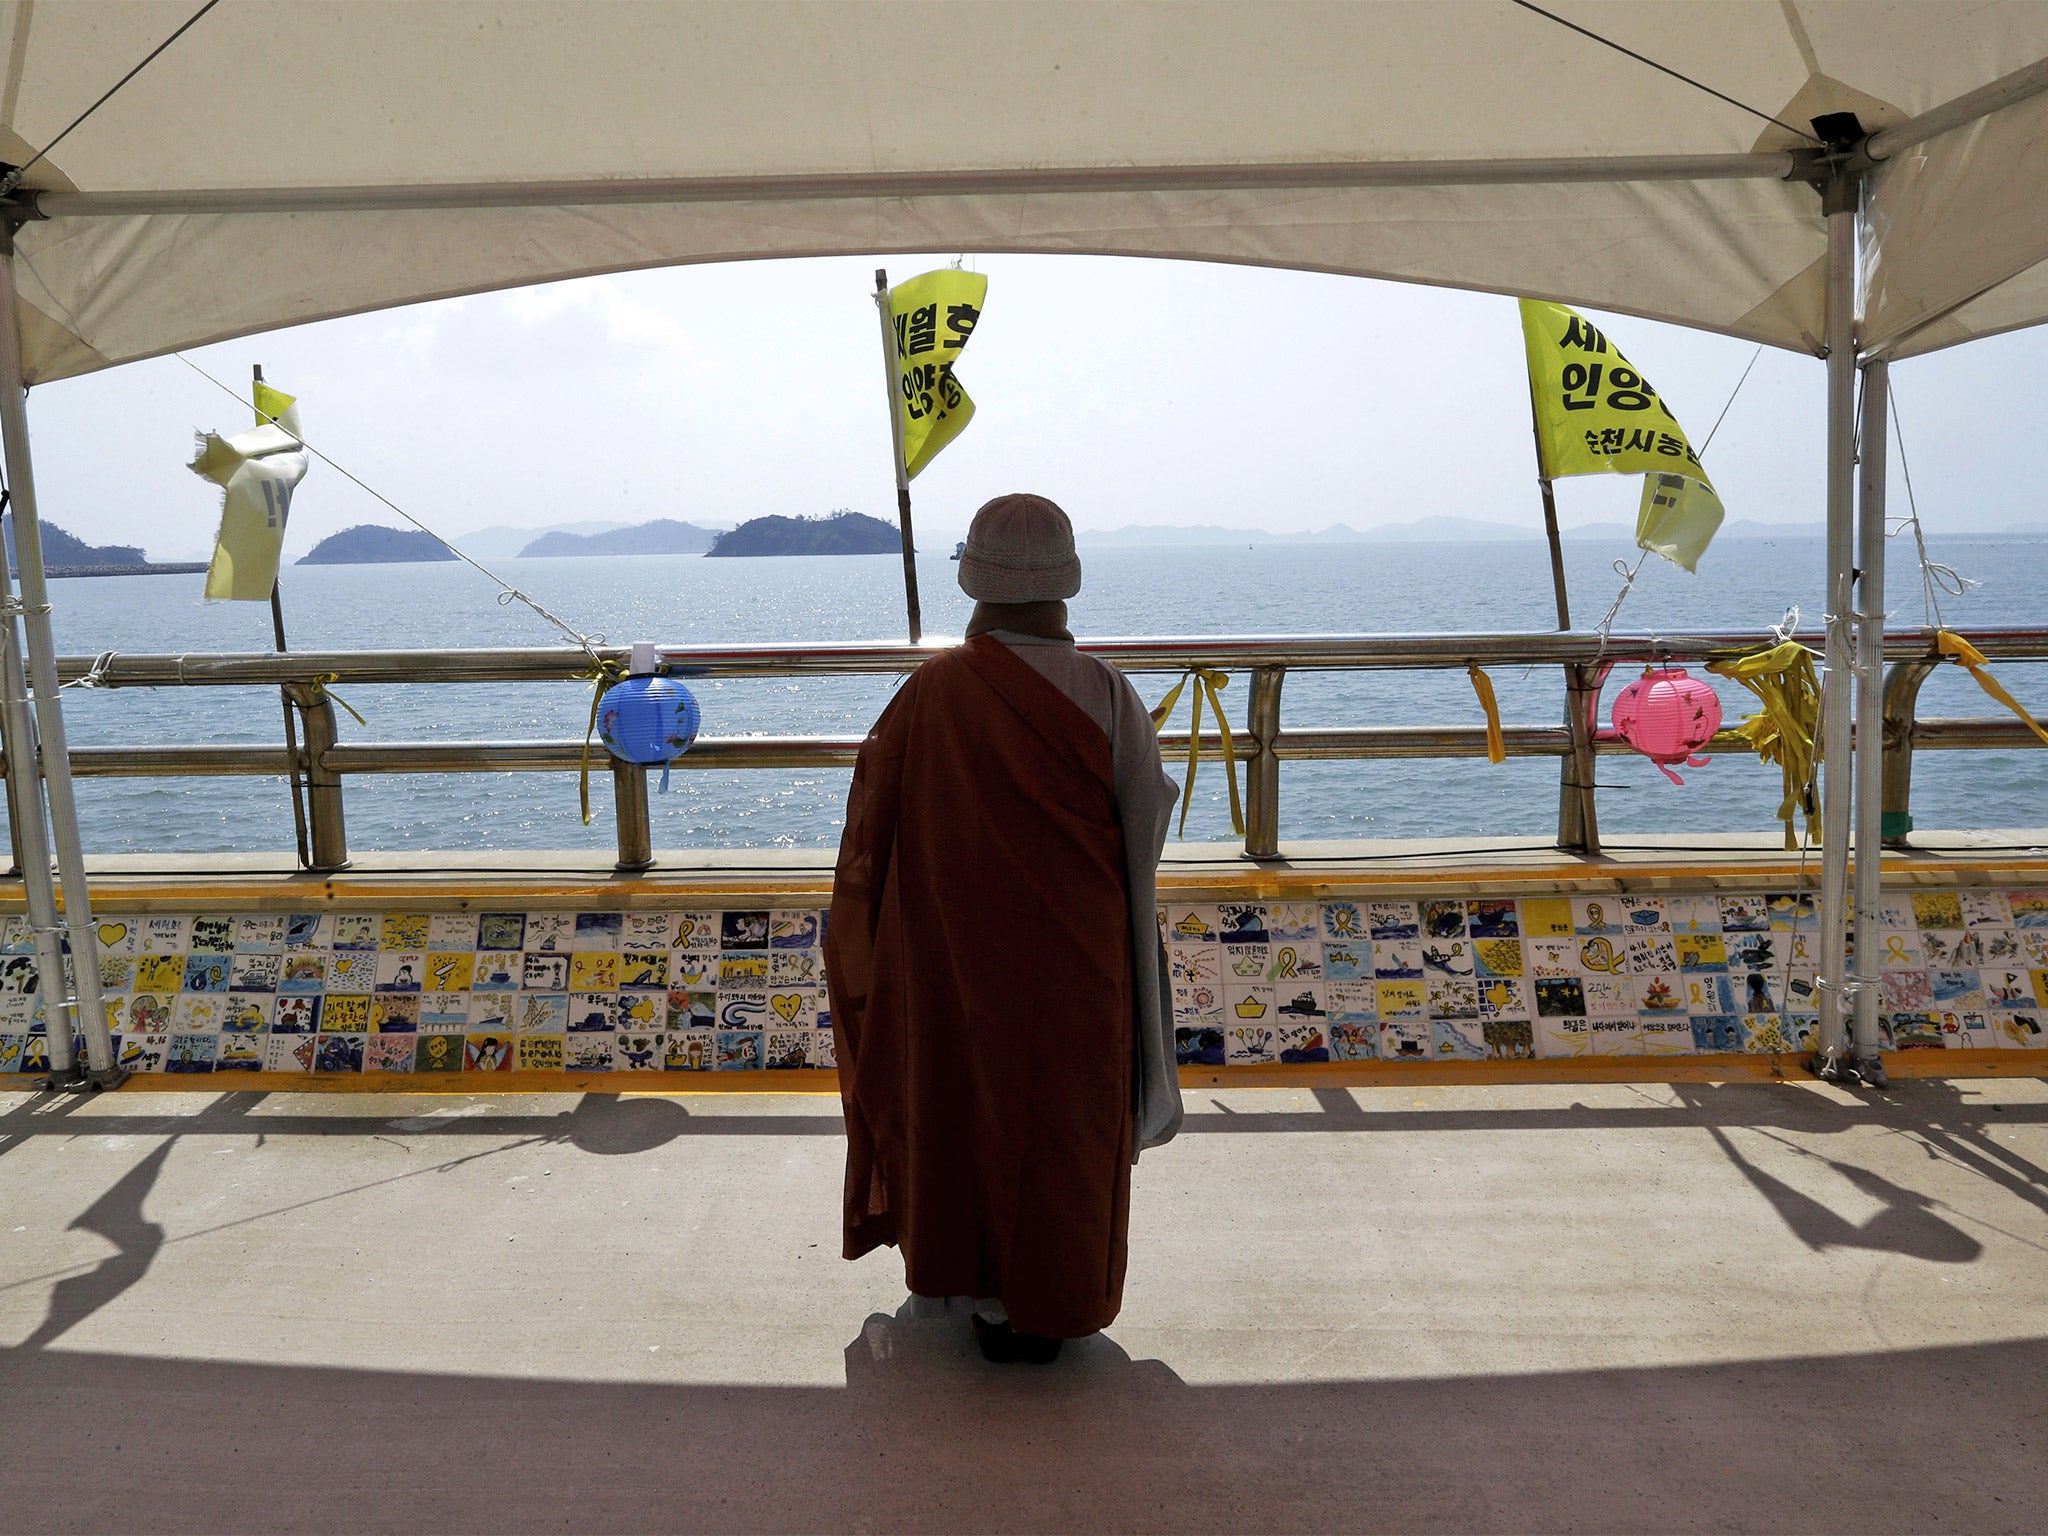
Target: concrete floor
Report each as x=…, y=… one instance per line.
x=1611, y=1308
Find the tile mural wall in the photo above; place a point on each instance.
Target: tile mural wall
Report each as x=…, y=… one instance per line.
x=697, y=991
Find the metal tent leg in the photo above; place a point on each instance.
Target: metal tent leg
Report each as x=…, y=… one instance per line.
x=101, y=1070
x=1837, y=781
x=31, y=836
x=1870, y=757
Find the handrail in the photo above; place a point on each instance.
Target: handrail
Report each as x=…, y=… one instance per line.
x=1147, y=654
x=325, y=760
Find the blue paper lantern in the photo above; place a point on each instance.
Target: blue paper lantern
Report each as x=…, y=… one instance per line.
x=644, y=719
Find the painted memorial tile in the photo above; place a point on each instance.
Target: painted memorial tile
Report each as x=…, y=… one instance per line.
x=164, y=933
x=197, y=1012
x=1299, y=1000
x=688, y=1050
x=35, y=1054
x=2009, y=989
x=789, y=1050
x=1302, y=1041
x=256, y=972
x=1768, y=1035
x=1916, y=1032
x=1692, y=914
x=1493, y=919
x=743, y=930
x=642, y=970
x=795, y=928
x=1701, y=952
x=401, y=970
x=794, y=1007
x=1453, y=997
x=796, y=967
x=1246, y=962
x=1348, y=1042
x=1984, y=909
x=303, y=974
x=1665, y=1035
x=259, y=933
x=1619, y=1035
x=646, y=930
x=597, y=931
x=441, y=1011
x=1601, y=956
x=743, y=1011
x=1248, y=1002
x=212, y=933
x=1937, y=909
x=1392, y=920
x=15, y=938
x=692, y=1010
x=1190, y=963
x=1753, y=951
x=239, y=1053
x=1908, y=990
x=690, y=968
x=1397, y=959
x=2022, y=1031
x=301, y=1015
x=438, y=1053
x=289, y=1053
x=137, y=1053
x=1609, y=997
x=1965, y=1031
x=1405, y=1039
x=2002, y=946
x=502, y=931
x=1719, y=1033
x=1643, y=914
x=393, y=1013
x=207, y=972
x=449, y=971
x=160, y=973
x=1445, y=956
x=18, y=1007
x=1403, y=1000
x=1355, y=1000
x=1790, y=912
x=117, y=972
x=1900, y=950
x=1250, y=1044
x=1745, y=914
x=1198, y=1045
x=1649, y=955
x=593, y=1013
x=544, y=972
x=825, y=1050
x=1295, y=961
x=1559, y=996
x=2029, y=908
x=247, y=1013
x=594, y=971
x=1660, y=995
x=1758, y=991
x=698, y=932
x=1344, y=922
x=1603, y=915
x=451, y=931
x=640, y=1011
x=744, y=969
x=541, y=1013
x=1347, y=959
x=539, y=1053
x=1299, y=922
x=1957, y=989
x=308, y=930
x=739, y=1050
x=118, y=936
x=388, y=1053
x=354, y=930
x=150, y=1012
x=351, y=971
x=2034, y=946
x=549, y=933
x=1189, y=925
x=1442, y=919
x=1242, y=923
x=191, y=1053
x=1564, y=1034
x=1508, y=1039
x=497, y=970
x=639, y=1051
x=492, y=1012
x=338, y=1053
x=1551, y=958
x=403, y=931
x=487, y=1053
x=1546, y=917
x=1502, y=997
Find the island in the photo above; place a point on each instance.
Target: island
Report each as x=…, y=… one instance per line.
x=841, y=533
x=65, y=554
x=663, y=536
x=374, y=544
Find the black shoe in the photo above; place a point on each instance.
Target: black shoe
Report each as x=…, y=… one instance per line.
x=1003, y=1345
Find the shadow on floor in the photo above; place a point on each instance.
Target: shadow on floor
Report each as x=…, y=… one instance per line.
x=925, y=1437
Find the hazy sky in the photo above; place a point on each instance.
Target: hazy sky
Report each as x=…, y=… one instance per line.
x=1131, y=391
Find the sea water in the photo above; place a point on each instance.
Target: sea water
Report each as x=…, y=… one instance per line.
x=1264, y=588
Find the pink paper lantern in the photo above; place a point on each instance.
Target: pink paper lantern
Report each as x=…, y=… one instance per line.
x=1668, y=715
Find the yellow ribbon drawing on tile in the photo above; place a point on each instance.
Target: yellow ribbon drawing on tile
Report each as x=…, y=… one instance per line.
x=1496, y=748
x=1972, y=660
x=1786, y=731
x=1210, y=681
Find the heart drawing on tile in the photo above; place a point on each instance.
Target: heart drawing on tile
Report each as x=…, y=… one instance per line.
x=113, y=933
x=788, y=1004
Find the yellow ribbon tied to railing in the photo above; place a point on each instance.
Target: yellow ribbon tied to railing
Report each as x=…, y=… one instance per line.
x=1972, y=660
x=1207, y=680
x=600, y=677
x=1496, y=748
x=1786, y=731
x=322, y=691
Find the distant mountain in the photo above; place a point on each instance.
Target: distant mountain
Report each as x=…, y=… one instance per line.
x=61, y=548
x=664, y=536
x=843, y=533
x=374, y=544
x=504, y=543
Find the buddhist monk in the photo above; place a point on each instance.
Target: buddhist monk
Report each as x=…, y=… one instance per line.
x=998, y=984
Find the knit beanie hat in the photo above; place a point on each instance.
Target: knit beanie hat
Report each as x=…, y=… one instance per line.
x=1020, y=549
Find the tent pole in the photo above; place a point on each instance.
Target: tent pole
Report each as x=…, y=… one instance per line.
x=42, y=668
x=890, y=377
x=1837, y=780
x=1870, y=717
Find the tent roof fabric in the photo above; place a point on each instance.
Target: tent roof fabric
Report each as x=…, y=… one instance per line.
x=195, y=205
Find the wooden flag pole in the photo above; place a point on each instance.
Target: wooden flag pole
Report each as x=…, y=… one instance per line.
x=889, y=376
x=291, y=726
x=1578, y=821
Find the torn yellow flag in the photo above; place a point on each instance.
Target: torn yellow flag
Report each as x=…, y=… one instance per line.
x=932, y=318
x=257, y=471
x=1596, y=415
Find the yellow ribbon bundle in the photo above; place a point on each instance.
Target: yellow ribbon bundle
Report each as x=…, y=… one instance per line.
x=1972, y=661
x=1207, y=680
x=1787, y=730
x=1496, y=748
x=600, y=677
x=322, y=691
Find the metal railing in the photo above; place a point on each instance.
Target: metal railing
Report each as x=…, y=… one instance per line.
x=325, y=762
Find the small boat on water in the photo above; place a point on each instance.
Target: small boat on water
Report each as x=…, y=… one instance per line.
x=959, y=549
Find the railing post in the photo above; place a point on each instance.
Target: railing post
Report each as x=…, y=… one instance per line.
x=1262, y=769
x=1901, y=703
x=636, y=837
x=1578, y=815
x=327, y=825
x=13, y=810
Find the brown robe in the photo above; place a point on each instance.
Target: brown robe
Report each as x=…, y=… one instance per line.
x=979, y=959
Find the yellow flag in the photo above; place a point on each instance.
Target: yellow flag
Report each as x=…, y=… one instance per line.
x=1596, y=415
x=257, y=472
x=932, y=318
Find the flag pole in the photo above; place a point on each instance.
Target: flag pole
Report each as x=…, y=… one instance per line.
x=291, y=728
x=889, y=377
x=1578, y=821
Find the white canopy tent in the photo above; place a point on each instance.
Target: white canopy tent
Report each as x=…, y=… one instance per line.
x=289, y=161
